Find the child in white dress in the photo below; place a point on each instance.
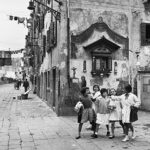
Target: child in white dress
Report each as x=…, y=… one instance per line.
x=95, y=95
x=102, y=112
x=115, y=112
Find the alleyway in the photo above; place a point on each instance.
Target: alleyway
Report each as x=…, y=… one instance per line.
x=31, y=125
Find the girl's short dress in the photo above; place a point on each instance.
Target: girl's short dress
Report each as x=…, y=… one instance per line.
x=102, y=119
x=116, y=114
x=94, y=97
x=102, y=111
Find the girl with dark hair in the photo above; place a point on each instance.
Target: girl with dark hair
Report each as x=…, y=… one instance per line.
x=87, y=113
x=102, y=112
x=128, y=101
x=115, y=112
x=96, y=93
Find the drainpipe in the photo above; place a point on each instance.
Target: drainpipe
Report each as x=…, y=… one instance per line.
x=68, y=42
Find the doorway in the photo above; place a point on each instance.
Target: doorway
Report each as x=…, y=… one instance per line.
x=145, y=92
x=45, y=86
x=54, y=87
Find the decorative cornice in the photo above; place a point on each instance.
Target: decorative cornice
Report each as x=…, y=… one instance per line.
x=99, y=26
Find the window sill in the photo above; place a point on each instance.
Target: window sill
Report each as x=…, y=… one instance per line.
x=99, y=72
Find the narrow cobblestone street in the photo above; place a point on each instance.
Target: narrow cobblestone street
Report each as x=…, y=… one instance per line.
x=32, y=125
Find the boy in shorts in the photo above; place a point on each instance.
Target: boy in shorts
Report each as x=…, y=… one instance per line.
x=88, y=113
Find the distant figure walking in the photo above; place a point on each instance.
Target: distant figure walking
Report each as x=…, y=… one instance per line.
x=26, y=85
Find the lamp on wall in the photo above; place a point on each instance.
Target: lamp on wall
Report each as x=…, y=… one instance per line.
x=31, y=5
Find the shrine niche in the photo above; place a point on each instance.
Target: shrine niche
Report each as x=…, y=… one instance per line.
x=101, y=52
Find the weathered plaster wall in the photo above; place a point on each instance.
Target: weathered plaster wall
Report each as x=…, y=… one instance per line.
x=86, y=13
x=111, y=82
x=124, y=17
x=57, y=58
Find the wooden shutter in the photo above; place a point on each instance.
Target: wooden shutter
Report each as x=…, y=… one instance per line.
x=44, y=45
x=48, y=38
x=43, y=19
x=51, y=34
x=143, y=34
x=55, y=32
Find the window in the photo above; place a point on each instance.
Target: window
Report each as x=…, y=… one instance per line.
x=101, y=64
x=145, y=34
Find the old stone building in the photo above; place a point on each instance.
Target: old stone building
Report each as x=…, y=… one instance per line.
x=107, y=41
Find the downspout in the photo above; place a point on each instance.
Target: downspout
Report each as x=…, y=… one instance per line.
x=68, y=42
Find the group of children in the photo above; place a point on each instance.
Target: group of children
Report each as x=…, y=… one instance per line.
x=103, y=108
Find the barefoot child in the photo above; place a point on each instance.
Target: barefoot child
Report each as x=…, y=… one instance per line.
x=102, y=112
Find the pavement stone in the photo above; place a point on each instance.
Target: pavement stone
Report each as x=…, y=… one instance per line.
x=32, y=125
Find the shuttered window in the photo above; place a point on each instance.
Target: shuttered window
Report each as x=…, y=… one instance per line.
x=52, y=36
x=145, y=34
x=44, y=45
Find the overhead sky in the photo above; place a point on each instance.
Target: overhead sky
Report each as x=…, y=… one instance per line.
x=12, y=34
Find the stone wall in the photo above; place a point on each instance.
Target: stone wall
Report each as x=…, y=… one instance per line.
x=123, y=17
